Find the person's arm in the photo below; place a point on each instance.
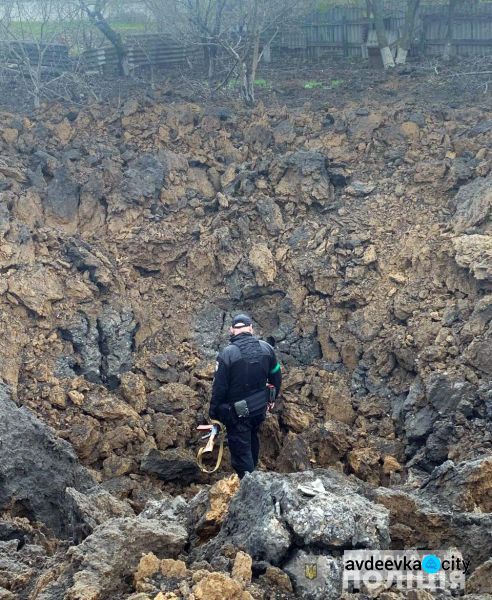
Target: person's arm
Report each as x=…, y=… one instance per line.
x=219, y=387
x=275, y=373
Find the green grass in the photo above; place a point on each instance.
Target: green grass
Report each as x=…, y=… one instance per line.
x=130, y=27
x=312, y=85
x=315, y=85
x=260, y=83
x=47, y=31
x=334, y=83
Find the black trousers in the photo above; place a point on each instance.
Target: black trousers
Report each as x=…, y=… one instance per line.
x=244, y=445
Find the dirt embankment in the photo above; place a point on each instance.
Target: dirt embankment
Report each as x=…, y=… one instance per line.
x=357, y=234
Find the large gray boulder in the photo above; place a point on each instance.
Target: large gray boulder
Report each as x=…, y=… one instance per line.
x=466, y=486
x=36, y=468
x=272, y=512
x=90, y=510
x=102, y=566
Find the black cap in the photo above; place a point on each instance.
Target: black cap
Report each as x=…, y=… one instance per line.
x=241, y=321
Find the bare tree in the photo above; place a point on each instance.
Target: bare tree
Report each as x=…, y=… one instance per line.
x=95, y=12
x=194, y=22
x=448, y=46
x=35, y=47
x=405, y=40
x=252, y=26
x=234, y=33
x=206, y=18
x=376, y=7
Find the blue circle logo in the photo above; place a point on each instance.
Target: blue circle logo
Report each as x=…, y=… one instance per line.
x=431, y=563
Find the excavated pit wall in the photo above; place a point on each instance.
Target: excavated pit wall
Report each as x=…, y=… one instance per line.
x=358, y=237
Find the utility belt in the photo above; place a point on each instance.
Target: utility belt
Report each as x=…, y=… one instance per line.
x=256, y=404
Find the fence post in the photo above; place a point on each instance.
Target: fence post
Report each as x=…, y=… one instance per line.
x=345, y=36
x=423, y=38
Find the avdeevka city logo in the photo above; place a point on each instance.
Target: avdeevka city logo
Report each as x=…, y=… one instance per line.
x=431, y=563
x=404, y=569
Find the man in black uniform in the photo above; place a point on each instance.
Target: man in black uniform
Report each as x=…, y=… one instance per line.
x=243, y=368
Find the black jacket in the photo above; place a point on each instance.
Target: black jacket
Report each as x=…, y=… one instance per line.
x=243, y=367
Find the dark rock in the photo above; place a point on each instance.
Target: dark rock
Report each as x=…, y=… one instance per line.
x=72, y=154
x=284, y=132
x=116, y=339
x=65, y=367
x=105, y=561
x=294, y=454
x=438, y=443
x=466, y=486
x=478, y=353
x=171, y=465
x=12, y=531
x=307, y=162
x=271, y=513
x=259, y=134
x=473, y=205
x=423, y=519
x=462, y=170
x=93, y=508
x=221, y=112
x=82, y=333
x=173, y=398
x=417, y=414
x=36, y=468
x=19, y=567
x=328, y=120
x=85, y=258
x=480, y=128
x=163, y=368
x=209, y=327
x=271, y=215
x=338, y=176
x=62, y=197
x=417, y=118
x=104, y=345
x=445, y=392
x=300, y=236
x=419, y=424
x=360, y=189
x=144, y=177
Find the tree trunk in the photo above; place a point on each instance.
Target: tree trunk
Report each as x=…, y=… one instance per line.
x=252, y=58
x=448, y=46
x=405, y=40
x=386, y=54
x=247, y=84
x=97, y=18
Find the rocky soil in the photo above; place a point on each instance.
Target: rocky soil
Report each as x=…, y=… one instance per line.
x=358, y=234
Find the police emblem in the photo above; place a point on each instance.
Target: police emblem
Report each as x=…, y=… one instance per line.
x=311, y=570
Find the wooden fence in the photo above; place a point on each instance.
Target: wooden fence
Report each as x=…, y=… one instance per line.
x=340, y=31
x=144, y=51
x=346, y=31
x=51, y=56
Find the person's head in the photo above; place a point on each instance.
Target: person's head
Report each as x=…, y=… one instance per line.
x=241, y=324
